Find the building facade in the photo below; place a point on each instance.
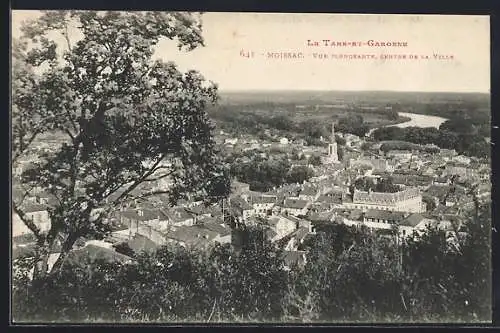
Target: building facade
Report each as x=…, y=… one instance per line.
x=409, y=200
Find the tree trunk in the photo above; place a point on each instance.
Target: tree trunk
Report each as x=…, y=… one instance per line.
x=41, y=261
x=66, y=247
x=43, y=249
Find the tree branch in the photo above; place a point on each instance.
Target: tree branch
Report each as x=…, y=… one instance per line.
x=27, y=221
x=66, y=36
x=159, y=177
x=25, y=146
x=139, y=180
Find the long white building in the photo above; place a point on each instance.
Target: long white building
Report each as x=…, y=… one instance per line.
x=408, y=200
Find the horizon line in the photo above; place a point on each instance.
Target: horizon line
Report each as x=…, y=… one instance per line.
x=354, y=91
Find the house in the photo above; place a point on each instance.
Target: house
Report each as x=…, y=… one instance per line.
x=454, y=169
x=295, y=207
x=263, y=204
x=375, y=164
x=140, y=216
x=94, y=252
x=282, y=226
x=332, y=199
x=34, y=212
x=305, y=224
x=441, y=181
x=461, y=159
x=238, y=188
x=223, y=232
x=200, y=211
x=309, y=193
x=401, y=155
x=242, y=209
x=325, y=216
x=140, y=243
x=382, y=219
x=191, y=237
x=414, y=222
x=178, y=216
x=412, y=180
x=447, y=153
x=352, y=217
x=231, y=141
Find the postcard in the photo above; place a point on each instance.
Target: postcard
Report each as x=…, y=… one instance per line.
x=182, y=167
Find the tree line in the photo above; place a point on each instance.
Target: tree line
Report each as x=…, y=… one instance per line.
x=311, y=130
x=450, y=135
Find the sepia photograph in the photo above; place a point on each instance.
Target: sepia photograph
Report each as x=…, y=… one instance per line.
x=248, y=168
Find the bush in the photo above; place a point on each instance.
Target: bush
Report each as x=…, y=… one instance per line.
x=351, y=275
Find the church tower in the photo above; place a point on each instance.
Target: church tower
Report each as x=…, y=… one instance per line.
x=333, y=156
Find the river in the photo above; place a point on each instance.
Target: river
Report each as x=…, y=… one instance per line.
x=416, y=120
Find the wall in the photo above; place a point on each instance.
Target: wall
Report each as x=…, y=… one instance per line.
x=378, y=225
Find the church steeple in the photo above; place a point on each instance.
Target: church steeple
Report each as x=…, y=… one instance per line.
x=332, y=147
x=332, y=139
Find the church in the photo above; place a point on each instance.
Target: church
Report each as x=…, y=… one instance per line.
x=333, y=156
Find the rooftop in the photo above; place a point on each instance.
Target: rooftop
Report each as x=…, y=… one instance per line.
x=143, y=214
x=142, y=244
x=30, y=207
x=309, y=190
x=412, y=220
x=93, y=252
x=295, y=203
x=264, y=199
x=384, y=198
x=384, y=215
x=177, y=214
x=220, y=229
x=189, y=234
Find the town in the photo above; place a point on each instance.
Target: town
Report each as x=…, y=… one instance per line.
x=426, y=189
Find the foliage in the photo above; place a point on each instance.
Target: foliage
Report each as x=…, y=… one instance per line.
x=449, y=136
x=124, y=120
x=429, y=202
x=173, y=284
x=299, y=174
x=263, y=174
x=351, y=275
x=457, y=125
x=353, y=123
x=315, y=160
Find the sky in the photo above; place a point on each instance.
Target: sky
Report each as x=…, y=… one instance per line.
x=462, y=41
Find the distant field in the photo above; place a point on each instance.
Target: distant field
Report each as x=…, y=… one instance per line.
x=319, y=97
x=429, y=103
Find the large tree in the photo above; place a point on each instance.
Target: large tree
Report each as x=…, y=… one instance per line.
x=127, y=120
